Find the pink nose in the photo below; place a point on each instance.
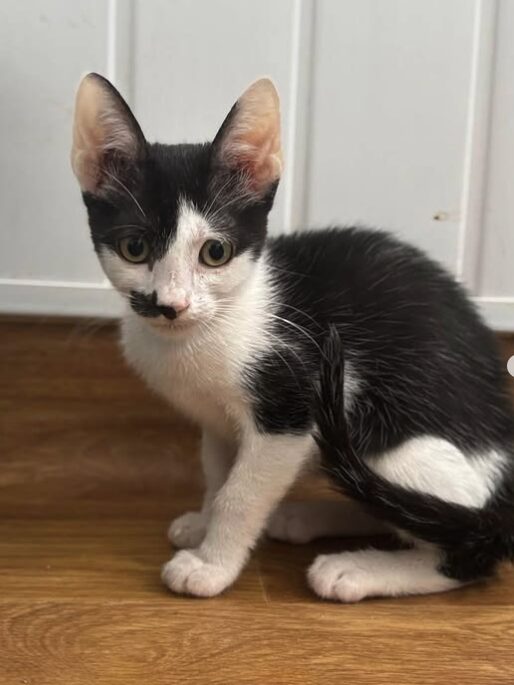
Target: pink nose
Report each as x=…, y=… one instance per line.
x=180, y=306
x=174, y=309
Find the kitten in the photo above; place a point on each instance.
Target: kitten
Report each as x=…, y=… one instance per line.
x=247, y=336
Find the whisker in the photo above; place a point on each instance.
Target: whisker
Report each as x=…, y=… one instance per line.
x=297, y=327
x=223, y=187
x=258, y=349
x=303, y=313
x=273, y=267
x=117, y=180
x=237, y=199
x=225, y=310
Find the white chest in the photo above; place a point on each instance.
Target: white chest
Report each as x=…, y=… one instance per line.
x=202, y=380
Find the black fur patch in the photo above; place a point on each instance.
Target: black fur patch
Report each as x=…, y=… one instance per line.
x=425, y=363
x=146, y=305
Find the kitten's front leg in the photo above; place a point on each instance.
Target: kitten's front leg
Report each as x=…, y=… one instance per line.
x=217, y=455
x=265, y=468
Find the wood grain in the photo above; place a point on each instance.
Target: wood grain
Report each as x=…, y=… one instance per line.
x=92, y=469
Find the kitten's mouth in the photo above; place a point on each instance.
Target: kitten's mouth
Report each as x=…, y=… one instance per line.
x=163, y=324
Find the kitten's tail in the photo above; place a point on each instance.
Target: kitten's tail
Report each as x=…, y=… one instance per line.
x=486, y=533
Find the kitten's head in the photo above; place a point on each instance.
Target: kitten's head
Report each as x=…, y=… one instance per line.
x=178, y=228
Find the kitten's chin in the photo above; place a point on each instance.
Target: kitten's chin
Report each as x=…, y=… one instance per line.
x=178, y=328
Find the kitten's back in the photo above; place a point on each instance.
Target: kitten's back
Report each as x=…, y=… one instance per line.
x=425, y=360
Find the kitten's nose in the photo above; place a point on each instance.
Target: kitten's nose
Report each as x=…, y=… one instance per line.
x=174, y=309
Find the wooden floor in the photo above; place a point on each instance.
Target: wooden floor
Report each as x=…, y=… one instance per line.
x=92, y=469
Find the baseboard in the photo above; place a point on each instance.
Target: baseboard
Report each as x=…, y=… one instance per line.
x=498, y=312
x=59, y=299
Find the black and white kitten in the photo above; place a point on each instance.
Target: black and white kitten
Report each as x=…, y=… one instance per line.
x=247, y=336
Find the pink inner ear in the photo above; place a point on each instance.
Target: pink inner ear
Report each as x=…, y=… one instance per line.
x=252, y=141
x=257, y=151
x=101, y=124
x=266, y=166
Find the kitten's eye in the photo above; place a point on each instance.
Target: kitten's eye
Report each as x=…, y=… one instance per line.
x=135, y=250
x=216, y=252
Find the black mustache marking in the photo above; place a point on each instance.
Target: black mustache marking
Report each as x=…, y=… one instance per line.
x=146, y=305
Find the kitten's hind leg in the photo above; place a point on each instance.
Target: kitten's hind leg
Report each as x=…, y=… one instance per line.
x=352, y=576
x=301, y=522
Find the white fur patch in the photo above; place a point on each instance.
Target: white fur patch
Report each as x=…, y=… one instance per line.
x=123, y=275
x=180, y=275
x=200, y=372
x=434, y=466
x=352, y=576
x=265, y=468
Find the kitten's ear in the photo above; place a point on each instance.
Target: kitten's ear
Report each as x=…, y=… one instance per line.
x=105, y=133
x=249, y=139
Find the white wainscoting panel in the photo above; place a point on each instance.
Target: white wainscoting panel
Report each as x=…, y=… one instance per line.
x=44, y=48
x=495, y=269
x=390, y=102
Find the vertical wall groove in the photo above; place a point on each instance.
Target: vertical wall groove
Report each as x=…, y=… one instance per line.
x=299, y=121
x=120, y=40
x=474, y=186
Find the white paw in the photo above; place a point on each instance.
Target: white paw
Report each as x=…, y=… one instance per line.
x=339, y=577
x=187, y=530
x=188, y=574
x=289, y=523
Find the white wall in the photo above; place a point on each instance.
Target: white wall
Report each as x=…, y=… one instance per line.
x=398, y=114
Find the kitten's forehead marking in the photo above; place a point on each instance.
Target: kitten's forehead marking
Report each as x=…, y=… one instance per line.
x=175, y=270
x=192, y=231
x=191, y=224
